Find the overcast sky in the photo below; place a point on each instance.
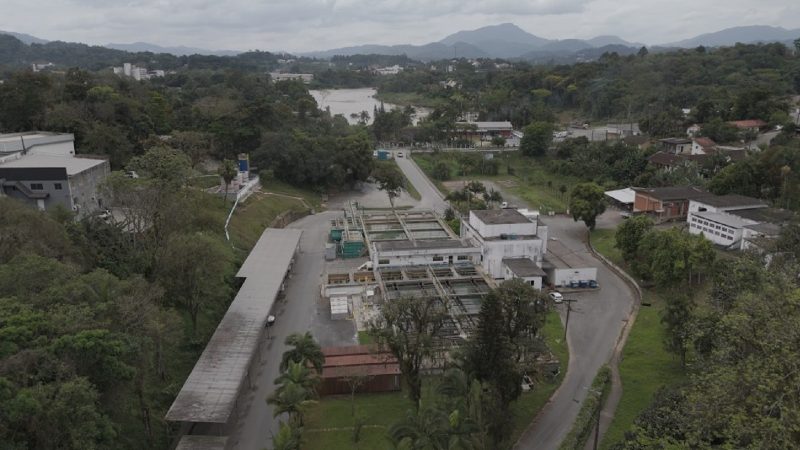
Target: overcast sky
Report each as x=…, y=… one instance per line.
x=304, y=25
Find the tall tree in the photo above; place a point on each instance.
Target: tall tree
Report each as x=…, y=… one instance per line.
x=537, y=139
x=195, y=286
x=586, y=202
x=227, y=171
x=389, y=179
x=630, y=233
x=407, y=327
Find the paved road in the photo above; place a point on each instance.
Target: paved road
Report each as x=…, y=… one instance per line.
x=297, y=312
x=595, y=324
x=431, y=198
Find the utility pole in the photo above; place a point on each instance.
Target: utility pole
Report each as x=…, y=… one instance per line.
x=568, y=301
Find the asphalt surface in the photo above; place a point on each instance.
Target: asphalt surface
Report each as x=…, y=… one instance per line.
x=594, y=326
x=431, y=198
x=295, y=313
x=595, y=323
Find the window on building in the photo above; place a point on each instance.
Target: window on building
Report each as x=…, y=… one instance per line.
x=383, y=261
x=57, y=186
x=463, y=257
x=438, y=258
x=37, y=186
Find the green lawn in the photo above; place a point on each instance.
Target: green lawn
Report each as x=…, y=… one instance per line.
x=312, y=198
x=204, y=181
x=257, y=213
x=646, y=365
x=329, y=423
x=532, y=179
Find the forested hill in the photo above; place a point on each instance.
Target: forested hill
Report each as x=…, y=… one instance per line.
x=15, y=54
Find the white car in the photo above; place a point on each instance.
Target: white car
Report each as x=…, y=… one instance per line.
x=399, y=154
x=556, y=297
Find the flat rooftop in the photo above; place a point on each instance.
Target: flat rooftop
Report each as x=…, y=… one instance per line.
x=730, y=200
x=673, y=192
x=14, y=142
x=73, y=165
x=500, y=216
x=523, y=267
x=210, y=392
x=771, y=215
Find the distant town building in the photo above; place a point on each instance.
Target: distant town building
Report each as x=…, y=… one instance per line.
x=391, y=70
x=38, y=67
x=136, y=72
x=304, y=77
x=41, y=169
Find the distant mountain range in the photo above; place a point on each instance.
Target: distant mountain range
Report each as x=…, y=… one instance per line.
x=135, y=47
x=509, y=41
x=25, y=38
x=505, y=41
x=745, y=35
x=177, y=50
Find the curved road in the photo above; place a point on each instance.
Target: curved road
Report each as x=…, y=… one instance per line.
x=596, y=321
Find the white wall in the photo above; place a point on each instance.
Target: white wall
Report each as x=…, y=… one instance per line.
x=724, y=235
x=495, y=251
x=564, y=276
x=536, y=282
x=403, y=258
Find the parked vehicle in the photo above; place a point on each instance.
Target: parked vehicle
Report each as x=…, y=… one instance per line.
x=556, y=297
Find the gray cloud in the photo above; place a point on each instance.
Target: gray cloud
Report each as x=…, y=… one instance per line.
x=299, y=25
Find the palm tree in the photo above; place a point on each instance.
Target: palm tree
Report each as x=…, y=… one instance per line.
x=305, y=349
x=228, y=172
x=300, y=374
x=424, y=429
x=291, y=399
x=288, y=437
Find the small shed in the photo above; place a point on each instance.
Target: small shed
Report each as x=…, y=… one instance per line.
x=370, y=369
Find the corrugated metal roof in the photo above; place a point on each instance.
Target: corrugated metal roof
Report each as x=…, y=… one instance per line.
x=209, y=393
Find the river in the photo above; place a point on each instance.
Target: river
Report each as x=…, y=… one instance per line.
x=352, y=101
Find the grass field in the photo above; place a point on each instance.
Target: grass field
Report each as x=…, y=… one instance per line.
x=646, y=365
x=329, y=423
x=531, y=178
x=257, y=213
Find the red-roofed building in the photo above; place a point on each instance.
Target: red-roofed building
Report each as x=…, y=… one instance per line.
x=751, y=125
x=380, y=371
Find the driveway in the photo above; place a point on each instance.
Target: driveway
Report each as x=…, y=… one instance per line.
x=295, y=313
x=595, y=324
x=431, y=198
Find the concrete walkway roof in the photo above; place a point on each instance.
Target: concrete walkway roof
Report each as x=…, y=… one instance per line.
x=210, y=392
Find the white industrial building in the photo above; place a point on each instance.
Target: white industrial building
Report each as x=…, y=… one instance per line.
x=506, y=234
x=423, y=252
x=734, y=221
